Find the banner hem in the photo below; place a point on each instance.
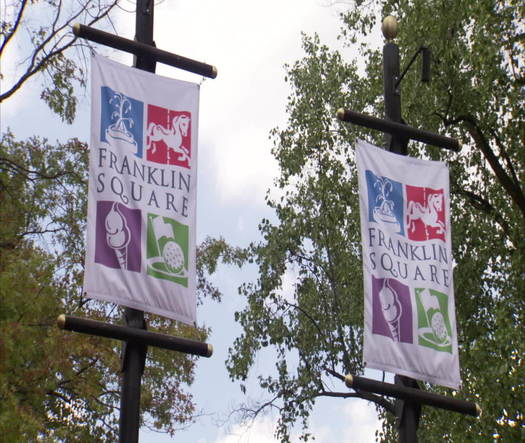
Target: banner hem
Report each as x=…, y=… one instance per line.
x=413, y=374
x=140, y=306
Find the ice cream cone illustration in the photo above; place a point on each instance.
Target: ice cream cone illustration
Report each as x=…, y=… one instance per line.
x=118, y=234
x=391, y=309
x=122, y=257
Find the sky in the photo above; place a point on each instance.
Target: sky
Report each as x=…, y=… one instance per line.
x=249, y=43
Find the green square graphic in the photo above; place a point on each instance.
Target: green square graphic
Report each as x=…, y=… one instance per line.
x=434, y=330
x=167, y=249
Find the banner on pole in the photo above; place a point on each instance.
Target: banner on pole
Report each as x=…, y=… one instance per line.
x=142, y=191
x=410, y=323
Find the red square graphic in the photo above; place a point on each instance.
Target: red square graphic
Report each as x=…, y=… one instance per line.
x=168, y=137
x=425, y=213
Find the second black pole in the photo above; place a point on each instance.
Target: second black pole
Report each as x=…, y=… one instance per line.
x=134, y=355
x=407, y=412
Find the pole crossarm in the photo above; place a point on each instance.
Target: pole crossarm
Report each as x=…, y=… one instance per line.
x=398, y=129
x=413, y=395
x=144, y=50
x=134, y=335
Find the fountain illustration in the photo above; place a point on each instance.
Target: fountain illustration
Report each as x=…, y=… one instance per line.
x=119, y=129
x=384, y=209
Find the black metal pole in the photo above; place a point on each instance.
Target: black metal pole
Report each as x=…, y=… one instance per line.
x=134, y=354
x=136, y=335
x=134, y=357
x=415, y=395
x=144, y=33
x=144, y=50
x=408, y=412
x=406, y=390
x=398, y=129
x=394, y=143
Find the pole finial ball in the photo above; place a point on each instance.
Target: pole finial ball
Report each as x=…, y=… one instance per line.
x=61, y=321
x=389, y=27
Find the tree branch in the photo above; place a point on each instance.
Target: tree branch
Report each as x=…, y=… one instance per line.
x=485, y=206
x=35, y=65
x=40, y=175
x=506, y=157
x=307, y=315
x=14, y=28
x=513, y=189
x=377, y=399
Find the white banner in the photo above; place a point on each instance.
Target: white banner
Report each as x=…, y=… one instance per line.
x=410, y=322
x=142, y=191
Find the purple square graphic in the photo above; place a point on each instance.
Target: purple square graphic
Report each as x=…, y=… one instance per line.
x=391, y=309
x=118, y=236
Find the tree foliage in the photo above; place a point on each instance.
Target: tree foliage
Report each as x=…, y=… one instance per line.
x=56, y=385
x=314, y=332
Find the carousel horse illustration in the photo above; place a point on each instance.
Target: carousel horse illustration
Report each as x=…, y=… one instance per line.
x=427, y=214
x=172, y=137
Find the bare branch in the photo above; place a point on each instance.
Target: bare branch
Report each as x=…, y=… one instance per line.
x=14, y=28
x=32, y=172
x=306, y=314
x=485, y=206
x=512, y=188
x=506, y=157
x=377, y=399
x=38, y=62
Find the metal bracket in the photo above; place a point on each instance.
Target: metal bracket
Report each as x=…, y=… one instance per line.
x=396, y=87
x=125, y=349
x=405, y=408
x=425, y=71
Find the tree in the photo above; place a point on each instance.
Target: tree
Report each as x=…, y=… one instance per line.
x=39, y=35
x=54, y=385
x=315, y=333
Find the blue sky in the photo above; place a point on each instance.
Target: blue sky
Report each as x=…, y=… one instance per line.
x=249, y=42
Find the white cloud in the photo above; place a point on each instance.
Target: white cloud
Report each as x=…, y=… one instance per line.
x=362, y=420
x=289, y=281
x=259, y=431
x=249, y=42
x=357, y=422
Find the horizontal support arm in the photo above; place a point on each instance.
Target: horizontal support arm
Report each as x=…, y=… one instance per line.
x=412, y=394
x=134, y=335
x=398, y=129
x=143, y=50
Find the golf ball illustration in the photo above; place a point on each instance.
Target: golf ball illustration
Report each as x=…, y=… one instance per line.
x=173, y=257
x=438, y=326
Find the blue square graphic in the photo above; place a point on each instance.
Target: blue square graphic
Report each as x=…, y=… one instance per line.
x=121, y=119
x=385, y=202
